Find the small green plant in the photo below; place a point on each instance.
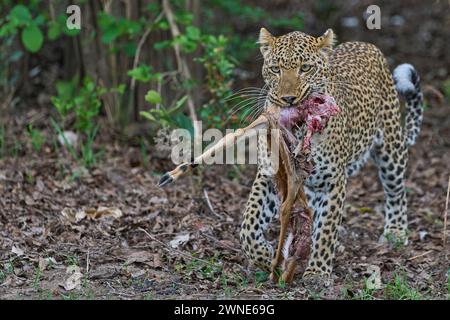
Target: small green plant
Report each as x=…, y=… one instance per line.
x=208, y=269
x=446, y=88
x=167, y=117
x=148, y=296
x=72, y=260
x=2, y=140
x=398, y=289
x=45, y=294
x=85, y=105
x=316, y=295
x=261, y=276
x=37, y=278
x=448, y=284
x=228, y=292
x=144, y=153
x=17, y=149
x=20, y=19
x=366, y=293
x=37, y=138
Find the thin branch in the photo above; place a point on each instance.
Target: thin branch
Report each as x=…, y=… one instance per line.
x=138, y=51
x=184, y=70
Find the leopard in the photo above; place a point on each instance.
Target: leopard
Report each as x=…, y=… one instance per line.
x=371, y=125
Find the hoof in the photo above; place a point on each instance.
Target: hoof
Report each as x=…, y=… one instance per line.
x=287, y=277
x=273, y=277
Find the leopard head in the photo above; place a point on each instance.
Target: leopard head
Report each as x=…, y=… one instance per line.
x=295, y=65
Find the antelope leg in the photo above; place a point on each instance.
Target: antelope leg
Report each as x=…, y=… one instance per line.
x=230, y=139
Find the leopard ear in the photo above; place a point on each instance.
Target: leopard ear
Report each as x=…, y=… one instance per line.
x=327, y=40
x=265, y=41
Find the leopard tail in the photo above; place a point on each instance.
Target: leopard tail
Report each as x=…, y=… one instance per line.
x=407, y=83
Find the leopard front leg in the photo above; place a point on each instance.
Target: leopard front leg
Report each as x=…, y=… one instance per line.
x=262, y=206
x=326, y=199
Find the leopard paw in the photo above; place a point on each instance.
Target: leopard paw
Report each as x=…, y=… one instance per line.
x=316, y=280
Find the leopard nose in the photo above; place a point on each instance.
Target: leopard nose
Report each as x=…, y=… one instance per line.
x=288, y=99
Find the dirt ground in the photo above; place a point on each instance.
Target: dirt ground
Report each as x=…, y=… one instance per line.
x=156, y=243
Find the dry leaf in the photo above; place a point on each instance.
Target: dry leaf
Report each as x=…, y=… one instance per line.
x=374, y=280
x=104, y=212
x=44, y=262
x=19, y=252
x=75, y=217
x=67, y=213
x=157, y=263
x=139, y=256
x=179, y=240
x=68, y=137
x=74, y=280
x=158, y=200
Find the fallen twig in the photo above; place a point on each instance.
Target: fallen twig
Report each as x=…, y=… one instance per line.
x=208, y=202
x=172, y=250
x=87, y=262
x=220, y=243
x=420, y=255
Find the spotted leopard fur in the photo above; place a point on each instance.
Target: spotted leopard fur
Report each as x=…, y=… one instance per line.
x=370, y=126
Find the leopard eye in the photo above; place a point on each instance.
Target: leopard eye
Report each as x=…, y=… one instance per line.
x=275, y=69
x=305, y=67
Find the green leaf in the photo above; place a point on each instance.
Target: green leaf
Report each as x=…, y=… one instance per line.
x=32, y=38
x=153, y=97
x=147, y=115
x=179, y=104
x=54, y=31
x=142, y=73
x=20, y=15
x=193, y=33
x=261, y=276
x=162, y=44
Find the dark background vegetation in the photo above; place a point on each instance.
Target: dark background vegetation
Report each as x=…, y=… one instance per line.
x=81, y=114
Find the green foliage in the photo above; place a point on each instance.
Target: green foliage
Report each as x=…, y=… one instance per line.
x=2, y=140
x=202, y=269
x=21, y=20
x=144, y=73
x=153, y=97
x=399, y=289
x=83, y=102
x=214, y=48
x=241, y=47
x=85, y=105
x=32, y=38
x=37, y=138
x=446, y=88
x=167, y=117
x=261, y=276
x=120, y=33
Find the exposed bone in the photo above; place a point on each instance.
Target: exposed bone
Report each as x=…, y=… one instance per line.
x=228, y=140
